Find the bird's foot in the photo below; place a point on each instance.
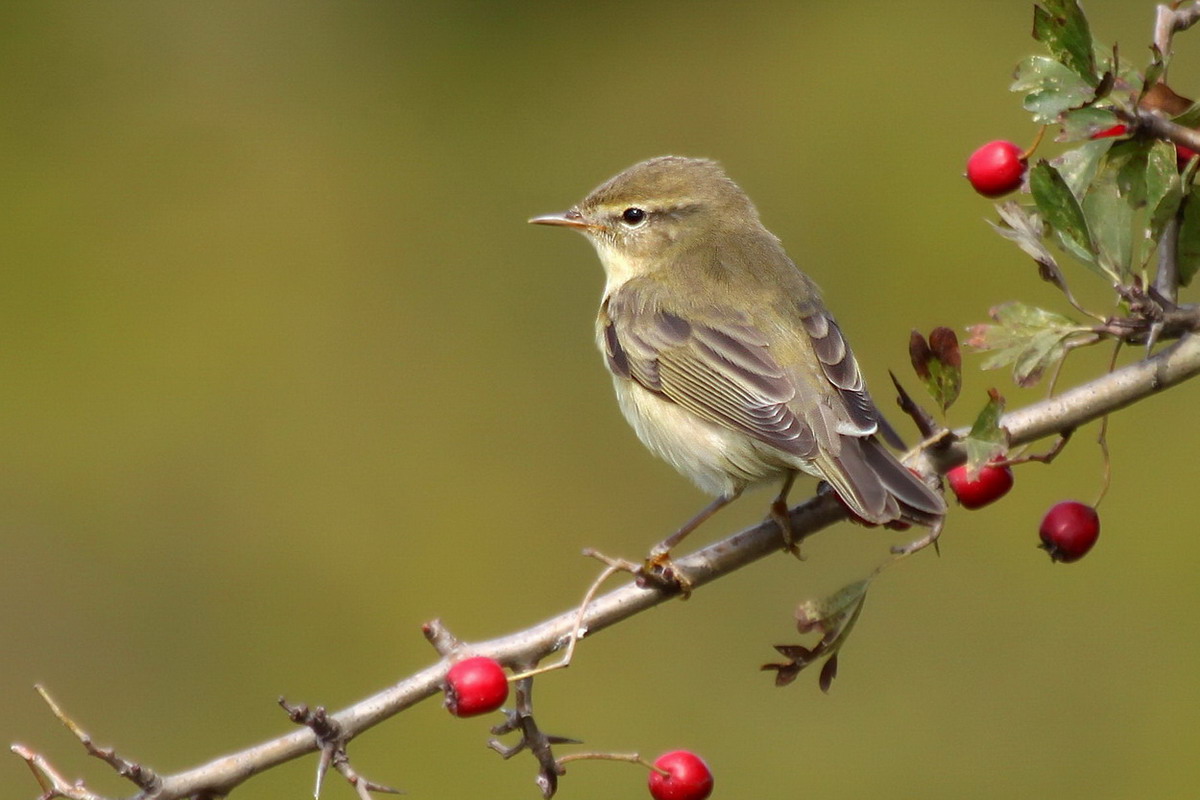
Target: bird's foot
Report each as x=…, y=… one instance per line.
x=782, y=517
x=657, y=571
x=660, y=571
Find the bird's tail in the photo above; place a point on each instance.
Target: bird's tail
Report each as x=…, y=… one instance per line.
x=877, y=487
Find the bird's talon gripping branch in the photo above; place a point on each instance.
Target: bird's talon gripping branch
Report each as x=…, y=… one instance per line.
x=781, y=515
x=660, y=572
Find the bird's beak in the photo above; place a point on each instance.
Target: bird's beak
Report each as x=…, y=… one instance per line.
x=566, y=219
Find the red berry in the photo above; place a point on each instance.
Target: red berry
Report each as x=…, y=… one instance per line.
x=1115, y=130
x=1069, y=530
x=689, y=777
x=996, y=168
x=988, y=485
x=1183, y=155
x=475, y=686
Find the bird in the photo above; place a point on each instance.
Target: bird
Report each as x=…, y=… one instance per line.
x=724, y=358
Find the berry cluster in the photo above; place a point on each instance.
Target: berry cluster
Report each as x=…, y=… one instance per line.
x=1068, y=530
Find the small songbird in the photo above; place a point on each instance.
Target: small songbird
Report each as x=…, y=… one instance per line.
x=725, y=360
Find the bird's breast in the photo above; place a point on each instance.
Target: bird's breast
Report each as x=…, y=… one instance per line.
x=718, y=460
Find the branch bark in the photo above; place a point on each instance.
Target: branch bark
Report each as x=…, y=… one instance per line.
x=1063, y=412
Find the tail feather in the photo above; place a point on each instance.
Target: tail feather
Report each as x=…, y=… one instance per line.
x=918, y=502
x=880, y=489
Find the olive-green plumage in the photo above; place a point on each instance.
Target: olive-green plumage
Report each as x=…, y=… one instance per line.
x=724, y=359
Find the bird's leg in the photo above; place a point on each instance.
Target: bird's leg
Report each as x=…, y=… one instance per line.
x=658, y=564
x=780, y=513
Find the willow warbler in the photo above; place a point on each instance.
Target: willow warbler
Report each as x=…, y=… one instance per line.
x=725, y=360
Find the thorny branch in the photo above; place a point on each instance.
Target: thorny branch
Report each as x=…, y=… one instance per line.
x=1066, y=411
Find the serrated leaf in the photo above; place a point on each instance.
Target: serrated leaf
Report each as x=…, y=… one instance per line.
x=1029, y=338
x=986, y=439
x=1188, y=253
x=1063, y=28
x=1061, y=211
x=1050, y=88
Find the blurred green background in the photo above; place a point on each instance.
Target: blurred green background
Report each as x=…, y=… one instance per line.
x=285, y=373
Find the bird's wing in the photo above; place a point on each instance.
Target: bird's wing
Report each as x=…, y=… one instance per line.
x=841, y=370
x=726, y=373
x=722, y=372
x=865, y=474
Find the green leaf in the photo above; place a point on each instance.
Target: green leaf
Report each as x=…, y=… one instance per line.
x=1109, y=214
x=1050, y=88
x=1129, y=159
x=1062, y=27
x=1082, y=123
x=1031, y=339
x=1061, y=211
x=1189, y=118
x=1188, y=255
x=1164, y=192
x=987, y=439
x=1078, y=166
x=1161, y=172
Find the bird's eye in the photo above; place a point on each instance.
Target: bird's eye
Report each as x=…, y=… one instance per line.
x=633, y=216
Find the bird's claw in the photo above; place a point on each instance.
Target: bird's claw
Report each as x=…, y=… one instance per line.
x=660, y=571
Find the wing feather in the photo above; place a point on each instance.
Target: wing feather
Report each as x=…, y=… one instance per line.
x=724, y=373
x=841, y=369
